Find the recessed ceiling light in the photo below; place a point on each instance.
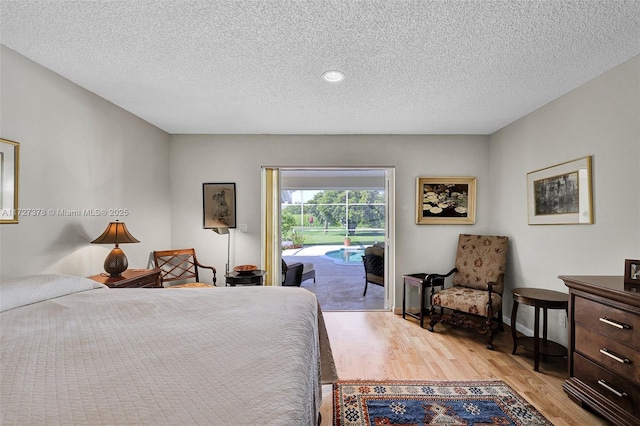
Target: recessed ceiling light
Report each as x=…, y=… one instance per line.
x=333, y=76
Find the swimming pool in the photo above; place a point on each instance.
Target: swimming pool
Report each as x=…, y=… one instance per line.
x=346, y=256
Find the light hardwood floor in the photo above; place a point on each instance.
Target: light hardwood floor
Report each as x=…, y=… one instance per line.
x=381, y=345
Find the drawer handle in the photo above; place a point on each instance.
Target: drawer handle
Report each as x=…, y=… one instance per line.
x=615, y=323
x=618, y=358
x=610, y=389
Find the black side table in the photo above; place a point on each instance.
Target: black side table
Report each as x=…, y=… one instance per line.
x=419, y=281
x=233, y=278
x=543, y=299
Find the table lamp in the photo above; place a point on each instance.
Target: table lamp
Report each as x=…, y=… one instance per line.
x=221, y=230
x=116, y=233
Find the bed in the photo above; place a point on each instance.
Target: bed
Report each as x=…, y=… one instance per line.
x=76, y=352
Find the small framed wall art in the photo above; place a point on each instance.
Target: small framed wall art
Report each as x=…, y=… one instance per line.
x=219, y=205
x=445, y=200
x=561, y=194
x=9, y=174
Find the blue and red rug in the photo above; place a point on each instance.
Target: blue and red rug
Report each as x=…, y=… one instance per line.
x=431, y=403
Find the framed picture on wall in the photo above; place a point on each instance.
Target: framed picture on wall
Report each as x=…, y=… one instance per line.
x=219, y=205
x=561, y=194
x=9, y=174
x=446, y=200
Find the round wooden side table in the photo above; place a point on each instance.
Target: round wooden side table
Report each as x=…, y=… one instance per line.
x=540, y=299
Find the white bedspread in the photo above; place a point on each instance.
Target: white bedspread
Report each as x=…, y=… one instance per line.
x=219, y=356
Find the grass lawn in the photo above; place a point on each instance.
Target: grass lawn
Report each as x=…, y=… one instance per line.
x=314, y=236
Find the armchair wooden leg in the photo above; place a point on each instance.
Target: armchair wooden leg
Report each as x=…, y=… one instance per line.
x=433, y=319
x=490, y=334
x=489, y=325
x=490, y=340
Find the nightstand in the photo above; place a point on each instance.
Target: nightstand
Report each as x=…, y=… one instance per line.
x=132, y=278
x=233, y=278
x=419, y=281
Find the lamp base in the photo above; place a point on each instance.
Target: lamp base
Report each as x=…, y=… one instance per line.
x=116, y=263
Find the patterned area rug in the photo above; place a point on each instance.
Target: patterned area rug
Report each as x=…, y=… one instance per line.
x=431, y=403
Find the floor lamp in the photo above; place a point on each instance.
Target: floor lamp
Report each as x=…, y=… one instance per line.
x=221, y=230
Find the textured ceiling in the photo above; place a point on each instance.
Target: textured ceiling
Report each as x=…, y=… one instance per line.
x=255, y=67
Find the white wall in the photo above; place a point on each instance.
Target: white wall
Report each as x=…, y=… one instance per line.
x=196, y=159
x=80, y=152
x=601, y=119
x=77, y=151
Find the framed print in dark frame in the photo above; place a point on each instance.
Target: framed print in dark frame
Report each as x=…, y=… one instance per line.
x=446, y=200
x=219, y=205
x=561, y=194
x=632, y=271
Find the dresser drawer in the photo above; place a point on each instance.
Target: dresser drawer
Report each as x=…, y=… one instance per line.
x=614, y=388
x=614, y=356
x=614, y=323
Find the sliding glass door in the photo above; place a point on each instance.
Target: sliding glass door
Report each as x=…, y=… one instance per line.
x=311, y=206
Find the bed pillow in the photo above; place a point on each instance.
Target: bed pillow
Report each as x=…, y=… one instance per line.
x=20, y=291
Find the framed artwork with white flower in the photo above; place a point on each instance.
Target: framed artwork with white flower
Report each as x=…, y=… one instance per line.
x=446, y=200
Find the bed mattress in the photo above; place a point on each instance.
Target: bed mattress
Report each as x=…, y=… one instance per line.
x=223, y=356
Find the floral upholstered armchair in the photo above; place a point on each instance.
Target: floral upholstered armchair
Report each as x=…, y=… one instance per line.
x=478, y=284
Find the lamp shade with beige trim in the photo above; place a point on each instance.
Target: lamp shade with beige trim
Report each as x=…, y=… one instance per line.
x=116, y=233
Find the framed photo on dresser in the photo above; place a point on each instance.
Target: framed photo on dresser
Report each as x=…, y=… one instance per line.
x=632, y=271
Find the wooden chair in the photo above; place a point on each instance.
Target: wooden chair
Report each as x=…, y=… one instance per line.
x=373, y=261
x=292, y=274
x=181, y=265
x=478, y=284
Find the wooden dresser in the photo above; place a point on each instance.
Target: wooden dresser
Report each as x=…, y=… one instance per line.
x=604, y=346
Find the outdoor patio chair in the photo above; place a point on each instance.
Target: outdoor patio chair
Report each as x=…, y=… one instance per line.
x=373, y=261
x=292, y=274
x=308, y=272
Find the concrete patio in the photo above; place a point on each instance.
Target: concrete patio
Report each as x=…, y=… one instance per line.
x=338, y=286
